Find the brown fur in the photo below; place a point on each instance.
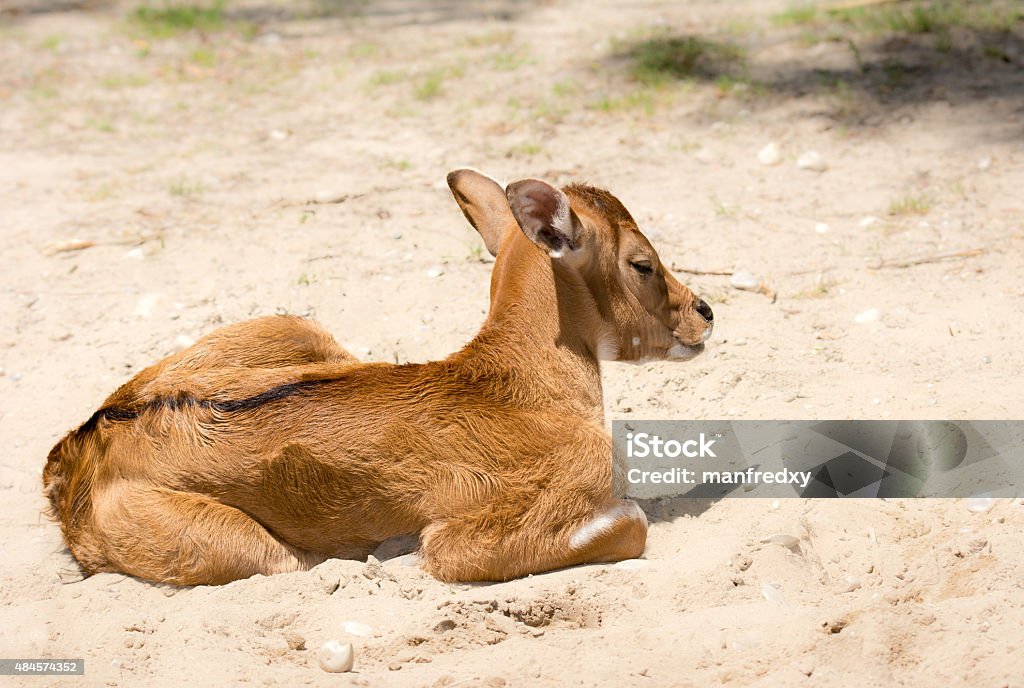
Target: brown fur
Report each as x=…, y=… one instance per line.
x=266, y=447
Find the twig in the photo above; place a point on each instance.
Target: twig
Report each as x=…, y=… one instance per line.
x=696, y=271
x=934, y=258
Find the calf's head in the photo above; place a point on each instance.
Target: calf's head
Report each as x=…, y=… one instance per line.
x=644, y=312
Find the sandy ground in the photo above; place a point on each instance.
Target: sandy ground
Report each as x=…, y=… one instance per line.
x=292, y=160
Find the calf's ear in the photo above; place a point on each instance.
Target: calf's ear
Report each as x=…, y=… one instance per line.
x=544, y=215
x=483, y=203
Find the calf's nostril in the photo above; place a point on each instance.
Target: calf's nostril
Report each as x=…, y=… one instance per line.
x=705, y=310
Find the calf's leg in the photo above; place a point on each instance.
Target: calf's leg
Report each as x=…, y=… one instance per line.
x=187, y=539
x=499, y=544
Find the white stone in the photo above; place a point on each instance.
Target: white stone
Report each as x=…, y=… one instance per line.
x=356, y=628
x=812, y=160
x=335, y=657
x=182, y=342
x=741, y=279
x=870, y=315
x=772, y=593
x=704, y=155
x=769, y=155
x=980, y=505
x=145, y=305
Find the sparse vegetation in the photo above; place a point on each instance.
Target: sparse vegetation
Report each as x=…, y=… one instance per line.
x=919, y=17
x=203, y=57
x=640, y=99
x=185, y=188
x=509, y=61
x=526, y=148
x=170, y=19
x=800, y=15
x=662, y=58
x=910, y=205
x=118, y=81
x=385, y=78
x=722, y=209
x=52, y=43
x=430, y=85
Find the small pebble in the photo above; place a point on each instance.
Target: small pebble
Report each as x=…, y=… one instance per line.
x=278, y=135
x=435, y=272
x=980, y=505
x=851, y=584
x=812, y=160
x=769, y=155
x=821, y=228
x=773, y=594
x=295, y=641
x=144, y=306
x=182, y=342
x=748, y=281
x=984, y=163
x=870, y=315
x=869, y=221
x=356, y=628
x=335, y=657
x=704, y=155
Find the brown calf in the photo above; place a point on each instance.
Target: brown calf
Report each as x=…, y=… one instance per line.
x=266, y=447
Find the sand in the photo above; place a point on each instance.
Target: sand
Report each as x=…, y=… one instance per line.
x=292, y=160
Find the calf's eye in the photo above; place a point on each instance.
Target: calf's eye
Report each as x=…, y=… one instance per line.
x=643, y=268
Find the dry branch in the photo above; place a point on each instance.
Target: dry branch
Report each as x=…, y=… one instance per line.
x=932, y=258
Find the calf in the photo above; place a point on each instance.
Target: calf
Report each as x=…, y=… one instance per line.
x=266, y=447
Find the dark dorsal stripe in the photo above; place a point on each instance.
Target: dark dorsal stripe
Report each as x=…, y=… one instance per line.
x=119, y=413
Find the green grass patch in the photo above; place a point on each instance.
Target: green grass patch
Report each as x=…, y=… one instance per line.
x=910, y=205
x=526, y=149
x=935, y=16
x=184, y=188
x=115, y=82
x=800, y=15
x=52, y=43
x=660, y=59
x=430, y=86
x=203, y=57
x=386, y=78
x=509, y=61
x=641, y=99
x=162, y=21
